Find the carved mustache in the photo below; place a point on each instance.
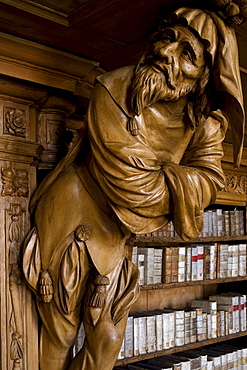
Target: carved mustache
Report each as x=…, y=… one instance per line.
x=154, y=62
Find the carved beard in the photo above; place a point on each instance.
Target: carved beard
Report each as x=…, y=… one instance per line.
x=151, y=85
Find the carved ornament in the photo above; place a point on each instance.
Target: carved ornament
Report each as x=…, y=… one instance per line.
x=15, y=182
x=15, y=122
x=236, y=183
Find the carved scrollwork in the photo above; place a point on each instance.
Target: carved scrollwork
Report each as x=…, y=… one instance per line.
x=15, y=182
x=13, y=231
x=236, y=183
x=15, y=122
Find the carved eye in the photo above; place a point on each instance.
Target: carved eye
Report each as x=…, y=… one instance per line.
x=187, y=54
x=166, y=39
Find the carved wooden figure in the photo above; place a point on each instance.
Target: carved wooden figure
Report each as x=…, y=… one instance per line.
x=151, y=153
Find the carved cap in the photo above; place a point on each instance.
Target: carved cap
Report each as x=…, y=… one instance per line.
x=221, y=46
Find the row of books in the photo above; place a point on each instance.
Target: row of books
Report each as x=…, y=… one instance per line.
x=216, y=222
x=190, y=263
x=217, y=357
x=150, y=264
x=156, y=330
x=204, y=262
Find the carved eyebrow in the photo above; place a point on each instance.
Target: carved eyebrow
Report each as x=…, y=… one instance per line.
x=171, y=32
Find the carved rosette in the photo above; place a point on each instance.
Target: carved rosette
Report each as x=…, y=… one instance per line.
x=15, y=182
x=13, y=231
x=236, y=183
x=15, y=122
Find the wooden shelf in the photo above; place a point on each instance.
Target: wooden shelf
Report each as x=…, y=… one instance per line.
x=189, y=283
x=157, y=242
x=169, y=351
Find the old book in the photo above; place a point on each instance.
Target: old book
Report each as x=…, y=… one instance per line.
x=207, y=262
x=129, y=338
x=159, y=330
x=142, y=334
x=181, y=264
x=179, y=327
x=229, y=317
x=121, y=352
x=214, y=223
x=194, y=260
x=149, y=266
x=199, y=329
x=200, y=262
x=134, y=254
x=193, y=326
x=187, y=325
x=223, y=299
x=232, y=223
x=235, y=267
x=242, y=259
x=167, y=265
x=188, y=264
x=219, y=222
x=226, y=216
x=168, y=328
x=136, y=334
x=175, y=258
x=223, y=260
x=141, y=267
x=150, y=332
x=209, y=307
x=158, y=261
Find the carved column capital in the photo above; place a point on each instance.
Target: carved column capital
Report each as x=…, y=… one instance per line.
x=52, y=131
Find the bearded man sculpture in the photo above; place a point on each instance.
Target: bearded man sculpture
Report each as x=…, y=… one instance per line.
x=152, y=153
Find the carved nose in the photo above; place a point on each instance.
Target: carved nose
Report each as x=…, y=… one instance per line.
x=167, y=53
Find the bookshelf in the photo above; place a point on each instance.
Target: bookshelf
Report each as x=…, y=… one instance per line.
x=177, y=295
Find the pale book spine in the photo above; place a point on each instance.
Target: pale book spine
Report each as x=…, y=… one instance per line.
x=240, y=360
x=235, y=267
x=166, y=330
x=121, y=352
x=194, y=257
x=193, y=326
x=172, y=329
x=214, y=223
x=230, y=261
x=204, y=326
x=141, y=267
x=179, y=328
x=230, y=360
x=128, y=338
x=210, y=364
x=210, y=223
x=209, y=326
x=242, y=259
x=222, y=323
x=181, y=264
x=159, y=332
x=142, y=335
x=237, y=222
x=219, y=222
x=223, y=260
x=237, y=312
x=187, y=314
x=235, y=360
x=149, y=267
x=205, y=225
x=226, y=216
x=200, y=258
x=136, y=335
x=243, y=312
x=151, y=335
x=199, y=324
x=134, y=254
x=167, y=266
x=244, y=356
x=188, y=264
x=158, y=255
x=212, y=261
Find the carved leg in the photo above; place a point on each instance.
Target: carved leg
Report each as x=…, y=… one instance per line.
x=105, y=325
